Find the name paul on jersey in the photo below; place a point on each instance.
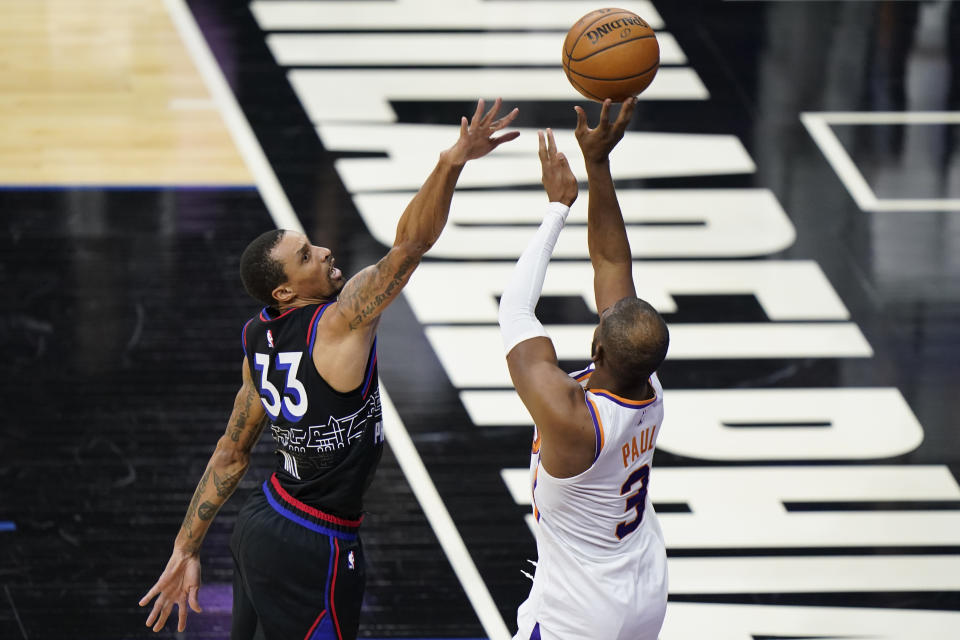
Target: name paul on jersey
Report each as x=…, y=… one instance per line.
x=338, y=433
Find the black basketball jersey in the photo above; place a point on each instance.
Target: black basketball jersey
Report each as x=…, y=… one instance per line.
x=328, y=442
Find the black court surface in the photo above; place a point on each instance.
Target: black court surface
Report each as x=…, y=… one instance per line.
x=791, y=182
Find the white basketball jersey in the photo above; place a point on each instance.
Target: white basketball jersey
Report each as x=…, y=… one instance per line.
x=602, y=566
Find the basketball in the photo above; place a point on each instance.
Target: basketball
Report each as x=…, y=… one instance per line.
x=610, y=53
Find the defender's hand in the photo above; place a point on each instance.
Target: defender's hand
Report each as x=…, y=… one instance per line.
x=178, y=585
x=596, y=144
x=476, y=137
x=558, y=179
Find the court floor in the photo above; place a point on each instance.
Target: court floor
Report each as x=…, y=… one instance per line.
x=791, y=184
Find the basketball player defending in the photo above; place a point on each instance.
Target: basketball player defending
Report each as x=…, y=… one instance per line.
x=310, y=372
x=602, y=566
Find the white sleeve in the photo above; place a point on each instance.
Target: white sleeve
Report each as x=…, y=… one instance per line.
x=517, y=319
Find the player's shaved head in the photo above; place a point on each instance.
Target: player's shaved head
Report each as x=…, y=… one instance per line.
x=634, y=339
x=260, y=271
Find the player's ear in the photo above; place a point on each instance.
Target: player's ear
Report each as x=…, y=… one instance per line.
x=283, y=294
x=596, y=353
x=595, y=344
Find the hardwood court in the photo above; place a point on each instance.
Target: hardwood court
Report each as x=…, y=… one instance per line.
x=98, y=92
x=790, y=188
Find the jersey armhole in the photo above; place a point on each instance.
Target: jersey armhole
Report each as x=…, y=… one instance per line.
x=312, y=328
x=371, y=370
x=597, y=425
x=243, y=338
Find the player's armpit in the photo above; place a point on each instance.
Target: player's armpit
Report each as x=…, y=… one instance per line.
x=557, y=405
x=367, y=294
x=554, y=399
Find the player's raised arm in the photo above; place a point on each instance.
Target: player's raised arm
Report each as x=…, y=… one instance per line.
x=554, y=399
x=179, y=583
x=606, y=234
x=368, y=293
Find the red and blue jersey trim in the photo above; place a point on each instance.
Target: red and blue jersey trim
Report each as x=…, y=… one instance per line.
x=371, y=368
x=305, y=515
x=265, y=317
x=243, y=338
x=314, y=321
x=328, y=627
x=332, y=582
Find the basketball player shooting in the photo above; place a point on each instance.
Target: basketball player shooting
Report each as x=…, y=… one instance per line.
x=602, y=567
x=310, y=371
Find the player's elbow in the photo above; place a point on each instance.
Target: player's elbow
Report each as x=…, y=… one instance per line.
x=412, y=248
x=230, y=455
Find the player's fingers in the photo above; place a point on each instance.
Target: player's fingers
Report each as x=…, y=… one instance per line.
x=492, y=113
x=551, y=141
x=541, y=145
x=150, y=594
x=626, y=112
x=194, y=598
x=464, y=126
x=505, y=120
x=154, y=613
x=164, y=614
x=581, y=120
x=478, y=113
x=182, y=614
x=507, y=137
x=604, y=114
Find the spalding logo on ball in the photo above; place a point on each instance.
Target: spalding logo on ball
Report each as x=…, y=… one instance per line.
x=610, y=53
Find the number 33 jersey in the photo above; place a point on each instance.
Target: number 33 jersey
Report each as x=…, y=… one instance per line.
x=328, y=443
x=602, y=566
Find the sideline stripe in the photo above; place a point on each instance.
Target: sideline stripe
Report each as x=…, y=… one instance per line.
x=396, y=432
x=440, y=520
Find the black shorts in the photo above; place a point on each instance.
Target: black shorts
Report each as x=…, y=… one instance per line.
x=298, y=572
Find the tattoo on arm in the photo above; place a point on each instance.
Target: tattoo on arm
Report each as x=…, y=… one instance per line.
x=241, y=415
x=188, y=519
x=366, y=306
x=207, y=510
x=240, y=418
x=226, y=484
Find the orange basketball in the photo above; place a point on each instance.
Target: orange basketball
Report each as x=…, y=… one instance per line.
x=610, y=53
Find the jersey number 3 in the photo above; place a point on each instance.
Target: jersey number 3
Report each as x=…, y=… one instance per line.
x=293, y=401
x=636, y=501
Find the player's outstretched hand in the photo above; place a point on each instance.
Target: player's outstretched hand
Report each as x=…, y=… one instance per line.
x=558, y=179
x=476, y=136
x=179, y=584
x=596, y=144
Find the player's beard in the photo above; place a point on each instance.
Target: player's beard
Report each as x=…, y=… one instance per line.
x=338, y=283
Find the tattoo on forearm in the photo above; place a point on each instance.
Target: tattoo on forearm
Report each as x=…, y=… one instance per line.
x=188, y=519
x=207, y=510
x=241, y=415
x=370, y=306
x=226, y=484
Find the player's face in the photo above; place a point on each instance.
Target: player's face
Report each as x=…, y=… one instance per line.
x=310, y=269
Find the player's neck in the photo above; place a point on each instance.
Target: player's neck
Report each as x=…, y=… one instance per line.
x=302, y=302
x=602, y=379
